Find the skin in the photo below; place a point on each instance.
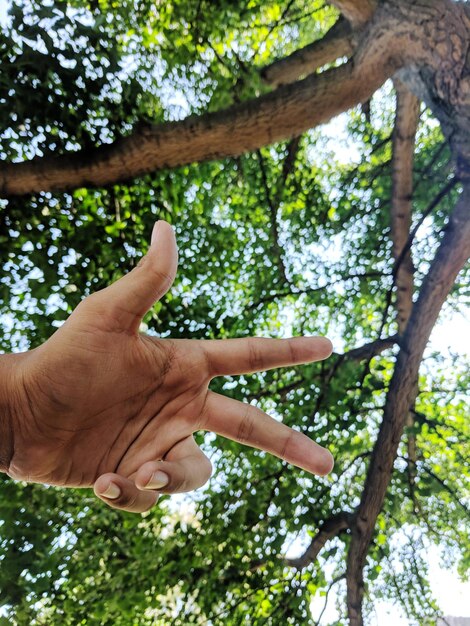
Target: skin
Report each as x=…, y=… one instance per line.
x=100, y=404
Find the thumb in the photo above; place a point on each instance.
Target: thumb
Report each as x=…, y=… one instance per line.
x=128, y=299
x=184, y=468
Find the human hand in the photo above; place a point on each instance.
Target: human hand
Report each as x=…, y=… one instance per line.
x=101, y=404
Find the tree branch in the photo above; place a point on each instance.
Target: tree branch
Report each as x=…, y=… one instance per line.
x=330, y=528
x=298, y=292
x=369, y=350
x=279, y=115
x=338, y=42
x=453, y=252
x=406, y=125
x=404, y=137
x=330, y=587
x=273, y=206
x=443, y=484
x=358, y=12
x=433, y=204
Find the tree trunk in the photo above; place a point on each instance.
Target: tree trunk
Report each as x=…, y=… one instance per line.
x=453, y=252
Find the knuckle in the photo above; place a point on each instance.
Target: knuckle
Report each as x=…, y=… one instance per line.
x=292, y=351
x=246, y=426
x=255, y=358
x=126, y=500
x=289, y=443
x=163, y=278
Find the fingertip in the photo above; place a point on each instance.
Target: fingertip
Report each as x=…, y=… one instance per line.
x=161, y=228
x=324, y=346
x=325, y=464
x=112, y=492
x=329, y=344
x=149, y=477
x=104, y=487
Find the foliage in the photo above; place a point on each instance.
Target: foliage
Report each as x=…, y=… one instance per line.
x=262, y=251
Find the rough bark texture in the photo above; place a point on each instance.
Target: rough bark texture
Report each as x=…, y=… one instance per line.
x=440, y=75
x=338, y=42
x=453, y=252
x=404, y=136
x=356, y=11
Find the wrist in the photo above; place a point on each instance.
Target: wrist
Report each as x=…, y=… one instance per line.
x=9, y=401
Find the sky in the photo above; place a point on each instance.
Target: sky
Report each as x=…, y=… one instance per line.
x=452, y=333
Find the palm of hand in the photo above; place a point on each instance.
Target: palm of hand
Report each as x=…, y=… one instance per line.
x=105, y=405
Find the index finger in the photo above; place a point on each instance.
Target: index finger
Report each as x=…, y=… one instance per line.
x=227, y=357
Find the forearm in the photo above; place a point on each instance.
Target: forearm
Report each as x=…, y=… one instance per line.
x=8, y=401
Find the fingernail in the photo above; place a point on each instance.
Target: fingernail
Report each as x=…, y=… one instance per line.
x=158, y=480
x=112, y=492
x=155, y=230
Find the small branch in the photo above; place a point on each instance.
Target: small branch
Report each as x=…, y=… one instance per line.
x=273, y=221
x=329, y=529
x=337, y=43
x=435, y=202
x=330, y=587
x=282, y=391
x=369, y=350
x=444, y=485
x=298, y=292
x=287, y=167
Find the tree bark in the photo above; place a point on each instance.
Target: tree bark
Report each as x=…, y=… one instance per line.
x=330, y=528
x=406, y=124
x=358, y=12
x=282, y=114
x=453, y=252
x=404, y=136
x=338, y=42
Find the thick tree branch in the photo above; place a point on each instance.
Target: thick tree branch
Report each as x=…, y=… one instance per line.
x=432, y=205
x=369, y=350
x=443, y=193
x=330, y=528
x=338, y=42
x=451, y=256
x=279, y=115
x=358, y=12
x=404, y=137
x=406, y=124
